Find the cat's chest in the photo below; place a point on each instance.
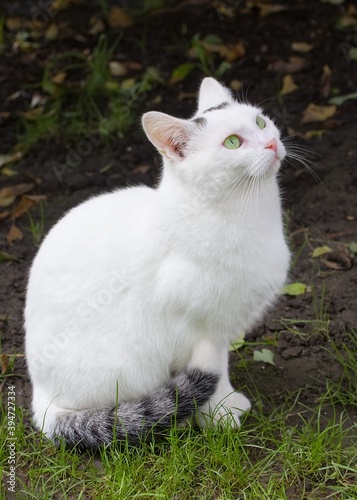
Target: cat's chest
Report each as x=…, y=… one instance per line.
x=222, y=274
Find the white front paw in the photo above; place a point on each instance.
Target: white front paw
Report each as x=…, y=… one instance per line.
x=224, y=411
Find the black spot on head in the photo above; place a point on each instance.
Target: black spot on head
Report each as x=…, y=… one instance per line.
x=200, y=121
x=215, y=108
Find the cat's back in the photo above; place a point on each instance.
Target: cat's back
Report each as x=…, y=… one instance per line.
x=93, y=240
x=102, y=222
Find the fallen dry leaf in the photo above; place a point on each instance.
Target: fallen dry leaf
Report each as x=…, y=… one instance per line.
x=236, y=85
x=52, y=32
x=10, y=158
x=315, y=113
x=59, y=78
x=346, y=21
x=339, y=259
x=33, y=114
x=96, y=25
x=265, y=8
x=5, y=361
x=292, y=65
x=325, y=80
x=117, y=69
x=4, y=115
x=302, y=47
x=288, y=85
x=4, y=214
x=64, y=4
x=10, y=193
x=306, y=135
x=223, y=9
x=233, y=53
x=6, y=201
x=14, y=23
x=14, y=234
x=26, y=203
x=119, y=18
x=14, y=96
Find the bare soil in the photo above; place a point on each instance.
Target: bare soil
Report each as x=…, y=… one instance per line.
x=321, y=212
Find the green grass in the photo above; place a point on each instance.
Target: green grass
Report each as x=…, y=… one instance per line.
x=37, y=224
x=89, y=99
x=289, y=451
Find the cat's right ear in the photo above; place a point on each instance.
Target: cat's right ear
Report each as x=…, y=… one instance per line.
x=212, y=94
x=168, y=134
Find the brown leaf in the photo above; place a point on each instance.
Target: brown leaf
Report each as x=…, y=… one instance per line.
x=223, y=9
x=4, y=115
x=233, y=53
x=302, y=47
x=293, y=65
x=10, y=158
x=14, y=23
x=339, y=259
x=118, y=18
x=14, y=234
x=4, y=214
x=27, y=202
x=96, y=25
x=288, y=85
x=33, y=114
x=64, y=4
x=236, y=85
x=14, y=96
x=346, y=21
x=8, y=194
x=5, y=359
x=59, y=78
x=52, y=32
x=117, y=69
x=332, y=265
x=315, y=113
x=265, y=8
x=5, y=201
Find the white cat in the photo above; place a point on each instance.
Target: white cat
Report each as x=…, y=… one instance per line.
x=135, y=295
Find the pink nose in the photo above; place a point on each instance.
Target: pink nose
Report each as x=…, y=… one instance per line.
x=272, y=145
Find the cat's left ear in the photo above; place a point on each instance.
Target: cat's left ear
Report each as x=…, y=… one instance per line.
x=212, y=94
x=168, y=134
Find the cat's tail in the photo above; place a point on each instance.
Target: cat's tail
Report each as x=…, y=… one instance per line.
x=140, y=420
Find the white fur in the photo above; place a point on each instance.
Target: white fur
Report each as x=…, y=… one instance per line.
x=134, y=285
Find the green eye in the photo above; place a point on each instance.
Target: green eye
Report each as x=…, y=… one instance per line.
x=260, y=122
x=232, y=142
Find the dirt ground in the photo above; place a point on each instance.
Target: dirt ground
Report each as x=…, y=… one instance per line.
x=300, y=329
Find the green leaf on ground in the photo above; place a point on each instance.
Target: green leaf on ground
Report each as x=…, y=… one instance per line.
x=341, y=99
x=294, y=289
x=352, y=247
x=264, y=355
x=181, y=72
x=320, y=251
x=6, y=257
x=238, y=343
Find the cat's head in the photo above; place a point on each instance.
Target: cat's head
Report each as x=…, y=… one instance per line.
x=225, y=140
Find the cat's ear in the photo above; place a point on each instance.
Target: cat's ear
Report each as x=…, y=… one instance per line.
x=212, y=94
x=168, y=134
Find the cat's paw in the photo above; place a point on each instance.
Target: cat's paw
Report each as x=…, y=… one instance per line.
x=224, y=412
